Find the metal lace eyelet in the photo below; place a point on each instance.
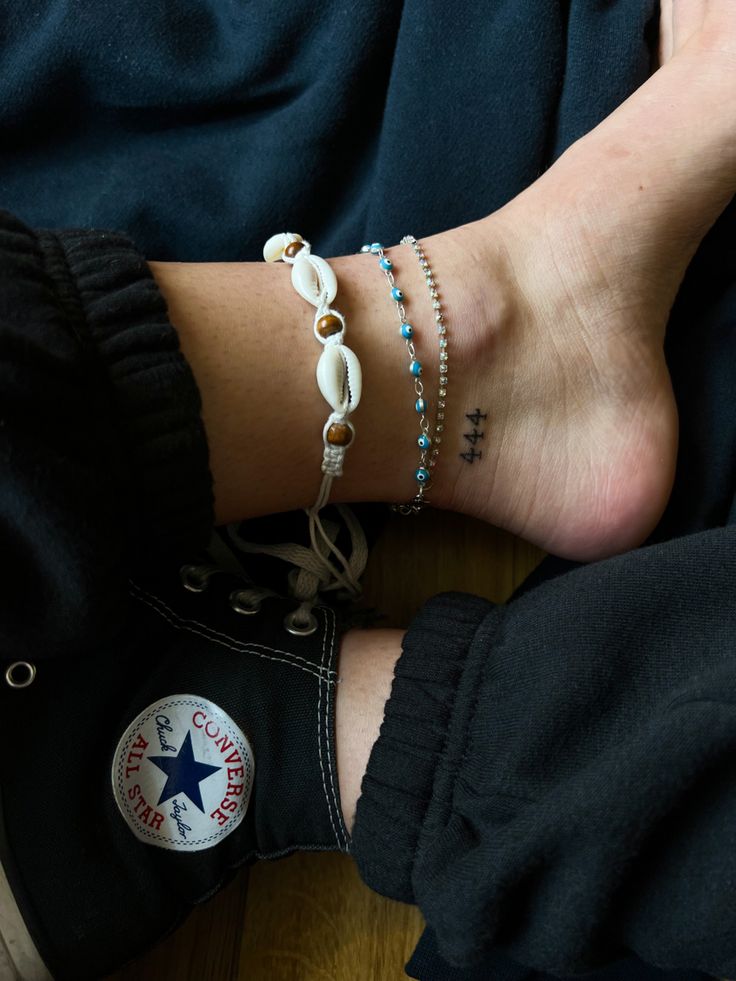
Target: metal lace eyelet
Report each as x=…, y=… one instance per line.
x=300, y=628
x=20, y=674
x=195, y=578
x=239, y=605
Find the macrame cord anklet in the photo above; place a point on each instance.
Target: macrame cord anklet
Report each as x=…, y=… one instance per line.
x=339, y=379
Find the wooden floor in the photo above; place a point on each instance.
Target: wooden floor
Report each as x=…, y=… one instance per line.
x=309, y=917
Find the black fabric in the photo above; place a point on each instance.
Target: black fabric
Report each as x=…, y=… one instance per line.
x=564, y=785
x=200, y=128
x=104, y=459
x=427, y=965
x=105, y=489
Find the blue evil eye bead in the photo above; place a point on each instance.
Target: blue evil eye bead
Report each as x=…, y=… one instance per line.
x=397, y=294
x=421, y=405
x=424, y=442
x=407, y=331
x=416, y=368
x=422, y=475
x=366, y=247
x=386, y=264
x=376, y=248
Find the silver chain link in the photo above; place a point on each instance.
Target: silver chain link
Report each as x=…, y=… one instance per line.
x=439, y=317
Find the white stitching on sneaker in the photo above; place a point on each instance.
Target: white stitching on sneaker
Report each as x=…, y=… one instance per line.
x=214, y=636
x=338, y=809
x=25, y=961
x=322, y=675
x=319, y=738
x=219, y=633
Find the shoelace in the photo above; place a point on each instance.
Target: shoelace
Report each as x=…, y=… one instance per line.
x=314, y=571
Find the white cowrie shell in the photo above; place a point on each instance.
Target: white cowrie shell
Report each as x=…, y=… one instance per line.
x=339, y=378
x=313, y=279
x=273, y=250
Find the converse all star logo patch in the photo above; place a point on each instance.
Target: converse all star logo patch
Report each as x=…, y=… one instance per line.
x=182, y=774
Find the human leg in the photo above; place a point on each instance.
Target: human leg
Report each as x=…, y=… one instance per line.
x=556, y=308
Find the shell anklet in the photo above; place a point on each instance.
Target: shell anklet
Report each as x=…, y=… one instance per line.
x=339, y=379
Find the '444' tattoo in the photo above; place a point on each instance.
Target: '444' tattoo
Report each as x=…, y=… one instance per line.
x=471, y=455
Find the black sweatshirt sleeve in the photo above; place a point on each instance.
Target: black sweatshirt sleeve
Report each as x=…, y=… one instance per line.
x=555, y=779
x=103, y=451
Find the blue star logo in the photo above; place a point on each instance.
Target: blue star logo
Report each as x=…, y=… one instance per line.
x=183, y=774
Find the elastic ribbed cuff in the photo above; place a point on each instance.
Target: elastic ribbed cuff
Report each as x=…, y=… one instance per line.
x=115, y=308
x=403, y=771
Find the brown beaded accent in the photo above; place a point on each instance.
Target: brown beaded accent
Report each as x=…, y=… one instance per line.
x=339, y=434
x=328, y=325
x=293, y=248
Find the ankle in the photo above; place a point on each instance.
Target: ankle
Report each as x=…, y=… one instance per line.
x=484, y=319
x=547, y=371
x=386, y=455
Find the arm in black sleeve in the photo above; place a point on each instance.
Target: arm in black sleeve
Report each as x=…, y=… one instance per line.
x=104, y=458
x=556, y=779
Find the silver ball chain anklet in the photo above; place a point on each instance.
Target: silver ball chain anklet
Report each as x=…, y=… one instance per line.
x=439, y=318
x=428, y=444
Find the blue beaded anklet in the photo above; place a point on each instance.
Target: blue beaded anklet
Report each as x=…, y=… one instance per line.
x=439, y=317
x=424, y=441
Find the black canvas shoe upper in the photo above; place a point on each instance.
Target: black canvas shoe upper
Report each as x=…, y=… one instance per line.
x=94, y=858
x=105, y=494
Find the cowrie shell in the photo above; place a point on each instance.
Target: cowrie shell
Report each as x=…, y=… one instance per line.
x=313, y=279
x=273, y=250
x=339, y=378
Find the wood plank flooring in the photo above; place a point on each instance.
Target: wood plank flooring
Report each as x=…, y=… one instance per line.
x=309, y=917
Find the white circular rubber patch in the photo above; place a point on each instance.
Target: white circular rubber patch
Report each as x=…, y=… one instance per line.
x=182, y=774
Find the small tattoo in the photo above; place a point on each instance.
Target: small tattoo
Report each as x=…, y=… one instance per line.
x=473, y=437
x=472, y=455
x=475, y=417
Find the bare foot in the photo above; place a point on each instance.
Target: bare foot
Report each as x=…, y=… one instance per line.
x=682, y=20
x=580, y=439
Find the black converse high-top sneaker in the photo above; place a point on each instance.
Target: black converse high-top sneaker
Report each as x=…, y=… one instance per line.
x=136, y=779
